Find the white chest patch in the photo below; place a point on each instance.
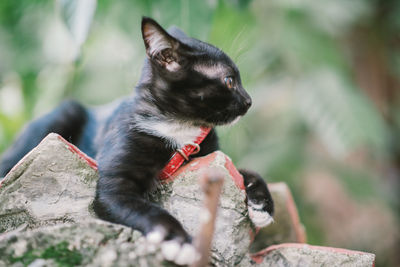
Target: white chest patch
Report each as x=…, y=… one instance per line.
x=176, y=134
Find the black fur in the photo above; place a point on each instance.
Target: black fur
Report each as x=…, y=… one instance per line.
x=130, y=157
x=257, y=191
x=68, y=120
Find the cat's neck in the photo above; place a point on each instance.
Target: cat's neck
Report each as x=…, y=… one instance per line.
x=151, y=119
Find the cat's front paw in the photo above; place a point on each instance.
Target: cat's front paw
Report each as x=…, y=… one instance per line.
x=259, y=215
x=175, y=247
x=259, y=201
x=181, y=254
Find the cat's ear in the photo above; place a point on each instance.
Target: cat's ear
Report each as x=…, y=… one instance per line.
x=176, y=32
x=160, y=46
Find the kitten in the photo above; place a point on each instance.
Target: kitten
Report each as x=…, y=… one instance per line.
x=186, y=86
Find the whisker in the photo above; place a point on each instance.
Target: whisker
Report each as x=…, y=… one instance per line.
x=243, y=45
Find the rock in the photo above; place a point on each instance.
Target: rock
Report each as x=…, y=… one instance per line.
x=183, y=198
x=92, y=242
x=46, y=216
x=294, y=254
x=54, y=183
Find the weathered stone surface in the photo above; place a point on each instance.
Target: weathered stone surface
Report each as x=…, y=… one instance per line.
x=46, y=219
x=52, y=184
x=294, y=254
x=55, y=184
x=92, y=242
x=183, y=198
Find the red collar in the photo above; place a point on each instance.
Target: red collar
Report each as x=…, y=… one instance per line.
x=181, y=155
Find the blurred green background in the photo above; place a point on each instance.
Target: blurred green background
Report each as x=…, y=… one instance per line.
x=323, y=75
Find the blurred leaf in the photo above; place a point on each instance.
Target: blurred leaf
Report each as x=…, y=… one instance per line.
x=77, y=16
x=232, y=29
x=8, y=127
x=343, y=120
x=360, y=184
x=240, y=3
x=192, y=16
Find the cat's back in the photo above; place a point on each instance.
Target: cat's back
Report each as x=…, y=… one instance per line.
x=102, y=120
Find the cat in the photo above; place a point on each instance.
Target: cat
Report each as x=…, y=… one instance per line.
x=186, y=85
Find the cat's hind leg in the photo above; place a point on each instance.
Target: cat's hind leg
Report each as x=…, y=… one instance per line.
x=68, y=120
x=259, y=201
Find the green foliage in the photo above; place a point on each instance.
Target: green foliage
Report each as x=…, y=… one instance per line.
x=60, y=253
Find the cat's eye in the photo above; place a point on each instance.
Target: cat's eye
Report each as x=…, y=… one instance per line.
x=228, y=82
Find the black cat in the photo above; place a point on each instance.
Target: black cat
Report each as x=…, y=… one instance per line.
x=186, y=84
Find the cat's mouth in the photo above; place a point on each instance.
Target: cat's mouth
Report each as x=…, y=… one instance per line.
x=213, y=123
x=225, y=120
x=235, y=120
x=218, y=118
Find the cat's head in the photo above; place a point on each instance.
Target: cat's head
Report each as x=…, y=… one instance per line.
x=191, y=80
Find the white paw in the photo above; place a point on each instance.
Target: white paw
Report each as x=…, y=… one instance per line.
x=156, y=236
x=259, y=217
x=170, y=249
x=184, y=254
x=187, y=255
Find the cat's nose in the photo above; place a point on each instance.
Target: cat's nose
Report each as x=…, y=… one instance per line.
x=245, y=105
x=248, y=102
